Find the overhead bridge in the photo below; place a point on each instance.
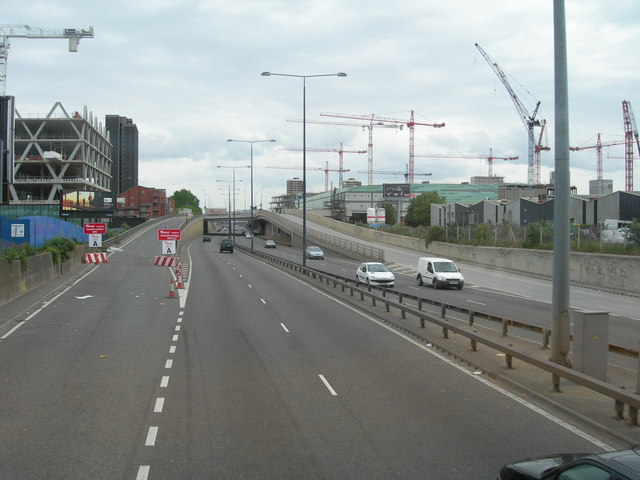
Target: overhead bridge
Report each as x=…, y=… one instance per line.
x=281, y=230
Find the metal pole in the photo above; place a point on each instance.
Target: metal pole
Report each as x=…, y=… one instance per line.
x=251, y=206
x=560, y=340
x=304, y=170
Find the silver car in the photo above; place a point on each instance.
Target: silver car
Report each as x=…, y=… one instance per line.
x=314, y=252
x=374, y=273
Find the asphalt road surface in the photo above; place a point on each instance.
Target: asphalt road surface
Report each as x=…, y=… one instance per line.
x=248, y=374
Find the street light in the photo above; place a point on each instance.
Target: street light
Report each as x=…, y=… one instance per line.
x=304, y=146
x=251, y=166
x=229, y=182
x=234, y=196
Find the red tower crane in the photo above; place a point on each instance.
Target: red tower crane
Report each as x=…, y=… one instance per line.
x=370, y=126
x=489, y=158
x=630, y=131
x=405, y=173
x=340, y=168
x=411, y=123
x=598, y=146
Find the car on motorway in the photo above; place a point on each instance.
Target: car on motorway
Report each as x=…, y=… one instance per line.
x=439, y=272
x=206, y=238
x=618, y=465
x=314, y=252
x=269, y=244
x=375, y=273
x=226, y=245
x=248, y=235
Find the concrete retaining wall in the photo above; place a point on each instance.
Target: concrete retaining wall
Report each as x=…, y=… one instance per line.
x=41, y=269
x=617, y=273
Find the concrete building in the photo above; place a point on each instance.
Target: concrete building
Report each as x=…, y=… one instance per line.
x=58, y=152
x=123, y=135
x=600, y=187
x=295, y=186
x=144, y=202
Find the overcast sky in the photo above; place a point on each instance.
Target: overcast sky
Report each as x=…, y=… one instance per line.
x=187, y=73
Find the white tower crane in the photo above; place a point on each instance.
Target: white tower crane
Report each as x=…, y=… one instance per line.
x=25, y=31
x=529, y=120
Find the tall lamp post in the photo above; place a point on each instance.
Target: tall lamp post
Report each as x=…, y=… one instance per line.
x=234, y=195
x=251, y=142
x=304, y=146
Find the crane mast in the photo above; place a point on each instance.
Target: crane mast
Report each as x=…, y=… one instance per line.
x=529, y=121
x=630, y=131
x=409, y=123
x=369, y=126
x=25, y=31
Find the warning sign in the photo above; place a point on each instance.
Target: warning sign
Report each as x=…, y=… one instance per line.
x=89, y=228
x=169, y=234
x=95, y=240
x=168, y=247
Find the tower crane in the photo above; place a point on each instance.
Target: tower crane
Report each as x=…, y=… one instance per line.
x=411, y=123
x=340, y=169
x=326, y=170
x=25, y=31
x=370, y=126
x=489, y=158
x=598, y=146
x=630, y=131
x=539, y=148
x=529, y=120
x=405, y=173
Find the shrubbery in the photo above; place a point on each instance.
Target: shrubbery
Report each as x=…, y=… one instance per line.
x=59, y=247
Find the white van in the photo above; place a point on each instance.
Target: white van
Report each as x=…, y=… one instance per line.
x=439, y=272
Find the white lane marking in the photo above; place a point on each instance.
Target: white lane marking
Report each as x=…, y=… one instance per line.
x=328, y=385
x=151, y=437
x=177, y=328
x=477, y=303
x=181, y=312
x=164, y=383
x=18, y=325
x=172, y=349
x=284, y=327
x=249, y=285
x=169, y=363
x=415, y=288
x=263, y=301
x=143, y=472
x=159, y=405
x=175, y=338
x=179, y=320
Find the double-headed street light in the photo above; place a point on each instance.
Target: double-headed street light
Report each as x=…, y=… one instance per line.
x=251, y=166
x=304, y=147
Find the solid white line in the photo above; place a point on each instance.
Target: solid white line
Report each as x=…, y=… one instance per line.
x=284, y=328
x=175, y=338
x=169, y=363
x=143, y=472
x=172, y=349
x=164, y=383
x=12, y=330
x=159, y=405
x=177, y=328
x=328, y=385
x=151, y=437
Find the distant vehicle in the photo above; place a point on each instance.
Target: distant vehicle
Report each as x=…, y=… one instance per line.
x=619, y=465
x=248, y=235
x=269, y=244
x=206, y=238
x=439, y=272
x=314, y=252
x=226, y=245
x=374, y=273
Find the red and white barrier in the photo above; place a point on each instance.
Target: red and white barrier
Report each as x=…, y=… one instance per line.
x=166, y=261
x=96, y=258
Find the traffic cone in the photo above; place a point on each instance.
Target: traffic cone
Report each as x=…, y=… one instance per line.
x=172, y=290
x=179, y=279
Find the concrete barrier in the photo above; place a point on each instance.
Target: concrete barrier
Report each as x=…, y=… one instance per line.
x=617, y=273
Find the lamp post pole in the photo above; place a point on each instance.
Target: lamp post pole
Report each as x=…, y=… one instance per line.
x=304, y=147
x=234, y=197
x=251, y=142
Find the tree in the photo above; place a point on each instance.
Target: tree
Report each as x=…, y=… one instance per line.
x=389, y=212
x=419, y=209
x=185, y=199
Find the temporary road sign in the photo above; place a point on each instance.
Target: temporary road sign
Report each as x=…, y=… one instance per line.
x=98, y=228
x=168, y=247
x=95, y=240
x=169, y=234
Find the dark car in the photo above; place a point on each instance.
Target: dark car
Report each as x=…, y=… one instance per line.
x=206, y=239
x=619, y=465
x=226, y=245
